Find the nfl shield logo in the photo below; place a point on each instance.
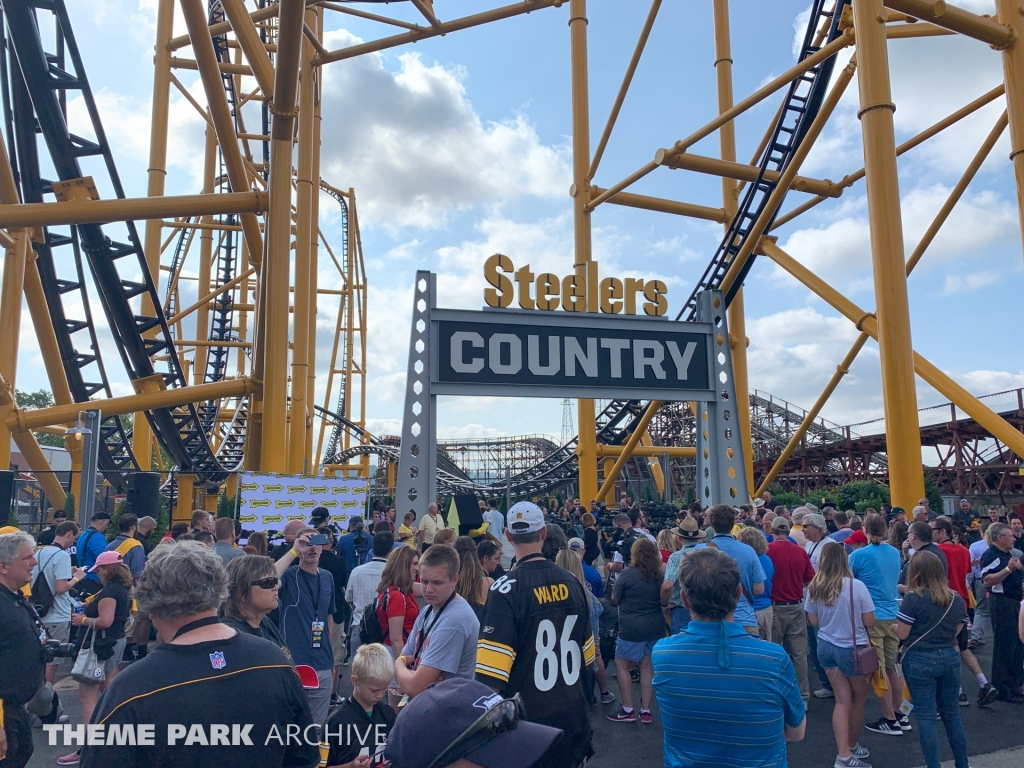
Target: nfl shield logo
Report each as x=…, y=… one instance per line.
x=217, y=660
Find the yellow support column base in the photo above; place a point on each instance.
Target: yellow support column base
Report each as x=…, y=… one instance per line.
x=183, y=506
x=586, y=451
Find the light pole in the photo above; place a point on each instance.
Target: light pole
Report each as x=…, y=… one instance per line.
x=87, y=433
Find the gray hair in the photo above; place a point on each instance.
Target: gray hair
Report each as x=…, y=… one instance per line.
x=815, y=520
x=11, y=545
x=799, y=515
x=994, y=532
x=811, y=509
x=918, y=508
x=180, y=579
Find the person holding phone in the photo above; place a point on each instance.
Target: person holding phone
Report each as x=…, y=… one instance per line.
x=306, y=602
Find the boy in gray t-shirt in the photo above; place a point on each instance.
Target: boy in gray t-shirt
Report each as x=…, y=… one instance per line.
x=448, y=642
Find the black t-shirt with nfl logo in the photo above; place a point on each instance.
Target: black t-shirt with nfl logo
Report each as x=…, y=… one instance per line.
x=234, y=683
x=352, y=732
x=536, y=640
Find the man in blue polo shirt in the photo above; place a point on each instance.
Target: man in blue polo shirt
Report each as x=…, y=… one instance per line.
x=91, y=543
x=752, y=575
x=726, y=697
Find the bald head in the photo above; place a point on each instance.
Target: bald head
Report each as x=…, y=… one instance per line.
x=292, y=529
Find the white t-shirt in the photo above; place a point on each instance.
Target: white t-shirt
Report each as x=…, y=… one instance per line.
x=834, y=624
x=814, y=550
x=496, y=522
x=977, y=549
x=56, y=565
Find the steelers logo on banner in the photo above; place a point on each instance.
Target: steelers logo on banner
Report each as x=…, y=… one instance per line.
x=270, y=501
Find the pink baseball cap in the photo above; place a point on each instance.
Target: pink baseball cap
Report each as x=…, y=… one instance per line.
x=107, y=558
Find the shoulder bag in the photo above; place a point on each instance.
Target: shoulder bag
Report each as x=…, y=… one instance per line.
x=865, y=660
x=903, y=651
x=88, y=668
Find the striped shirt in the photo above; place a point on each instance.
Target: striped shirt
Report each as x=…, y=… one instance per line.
x=724, y=706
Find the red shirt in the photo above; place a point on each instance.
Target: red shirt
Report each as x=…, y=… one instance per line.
x=959, y=559
x=397, y=604
x=793, y=571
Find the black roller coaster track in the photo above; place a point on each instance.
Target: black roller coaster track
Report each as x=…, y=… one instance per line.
x=335, y=438
x=40, y=83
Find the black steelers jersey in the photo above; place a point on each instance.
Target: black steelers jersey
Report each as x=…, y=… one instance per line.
x=536, y=640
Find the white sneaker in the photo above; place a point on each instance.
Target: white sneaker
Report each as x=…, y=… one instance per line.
x=824, y=693
x=851, y=762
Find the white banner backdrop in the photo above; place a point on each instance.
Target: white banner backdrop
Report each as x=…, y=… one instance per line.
x=269, y=501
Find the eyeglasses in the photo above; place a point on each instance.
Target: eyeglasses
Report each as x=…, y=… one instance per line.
x=501, y=718
x=268, y=583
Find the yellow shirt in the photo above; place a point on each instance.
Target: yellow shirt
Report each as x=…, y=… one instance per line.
x=407, y=534
x=429, y=525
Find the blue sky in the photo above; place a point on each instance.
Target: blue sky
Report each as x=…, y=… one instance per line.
x=459, y=147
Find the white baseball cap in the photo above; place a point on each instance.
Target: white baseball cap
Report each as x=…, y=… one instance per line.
x=525, y=517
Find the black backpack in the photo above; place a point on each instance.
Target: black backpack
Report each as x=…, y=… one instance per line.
x=42, y=596
x=370, y=630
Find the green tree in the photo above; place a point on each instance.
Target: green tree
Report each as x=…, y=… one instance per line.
x=933, y=494
x=69, y=506
x=226, y=506
x=859, y=495
x=30, y=401
x=788, y=498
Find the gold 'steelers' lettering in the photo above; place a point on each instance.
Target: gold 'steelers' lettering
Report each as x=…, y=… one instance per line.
x=501, y=294
x=584, y=290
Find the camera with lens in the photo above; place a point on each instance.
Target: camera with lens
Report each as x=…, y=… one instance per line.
x=618, y=540
x=55, y=649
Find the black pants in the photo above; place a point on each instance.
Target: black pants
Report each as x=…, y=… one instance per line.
x=1007, y=650
x=19, y=736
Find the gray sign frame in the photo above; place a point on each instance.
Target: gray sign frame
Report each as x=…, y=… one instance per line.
x=721, y=476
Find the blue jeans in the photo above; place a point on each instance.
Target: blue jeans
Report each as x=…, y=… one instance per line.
x=680, y=619
x=812, y=652
x=933, y=677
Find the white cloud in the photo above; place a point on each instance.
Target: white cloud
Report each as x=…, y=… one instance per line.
x=417, y=150
x=955, y=284
x=839, y=252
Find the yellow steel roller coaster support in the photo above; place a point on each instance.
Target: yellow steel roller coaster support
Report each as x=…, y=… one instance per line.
x=142, y=433
x=730, y=195
x=275, y=275
x=1009, y=13
x=899, y=394
x=314, y=246
x=580, y=191
x=299, y=410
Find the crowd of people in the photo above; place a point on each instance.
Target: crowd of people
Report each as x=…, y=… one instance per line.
x=720, y=618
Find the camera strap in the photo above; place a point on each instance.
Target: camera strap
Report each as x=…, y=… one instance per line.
x=425, y=630
x=205, y=622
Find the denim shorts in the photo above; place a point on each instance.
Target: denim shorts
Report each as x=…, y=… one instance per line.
x=633, y=650
x=834, y=657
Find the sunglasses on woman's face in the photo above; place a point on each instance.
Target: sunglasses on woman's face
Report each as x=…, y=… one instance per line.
x=268, y=583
